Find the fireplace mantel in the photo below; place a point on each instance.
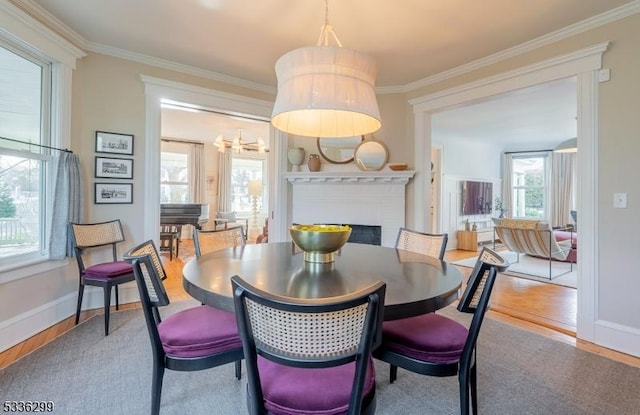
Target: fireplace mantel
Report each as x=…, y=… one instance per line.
x=351, y=176
x=371, y=198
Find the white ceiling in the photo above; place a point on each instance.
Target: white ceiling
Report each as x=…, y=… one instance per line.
x=535, y=118
x=409, y=39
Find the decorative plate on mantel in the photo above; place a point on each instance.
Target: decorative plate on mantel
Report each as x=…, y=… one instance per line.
x=398, y=166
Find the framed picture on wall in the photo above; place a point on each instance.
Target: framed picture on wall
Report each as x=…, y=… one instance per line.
x=114, y=143
x=114, y=168
x=113, y=193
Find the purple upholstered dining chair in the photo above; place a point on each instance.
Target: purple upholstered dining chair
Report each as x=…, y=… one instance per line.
x=309, y=356
x=197, y=338
x=87, y=237
x=435, y=345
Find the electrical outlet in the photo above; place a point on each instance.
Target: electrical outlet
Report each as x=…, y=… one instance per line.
x=620, y=200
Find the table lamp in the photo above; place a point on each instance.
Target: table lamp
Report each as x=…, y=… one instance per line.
x=255, y=191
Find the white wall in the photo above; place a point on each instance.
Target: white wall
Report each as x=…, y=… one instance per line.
x=464, y=159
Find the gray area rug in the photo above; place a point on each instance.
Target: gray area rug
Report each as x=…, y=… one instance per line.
x=519, y=372
x=536, y=269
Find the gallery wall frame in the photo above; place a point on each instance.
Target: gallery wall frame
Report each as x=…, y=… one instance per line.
x=113, y=193
x=114, y=143
x=113, y=168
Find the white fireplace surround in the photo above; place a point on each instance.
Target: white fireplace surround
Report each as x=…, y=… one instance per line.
x=357, y=198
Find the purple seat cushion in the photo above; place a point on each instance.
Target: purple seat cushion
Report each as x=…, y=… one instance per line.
x=321, y=391
x=428, y=337
x=108, y=269
x=199, y=331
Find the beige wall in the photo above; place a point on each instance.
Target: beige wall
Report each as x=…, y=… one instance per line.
x=617, y=166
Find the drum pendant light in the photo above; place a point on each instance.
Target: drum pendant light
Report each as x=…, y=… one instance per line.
x=326, y=91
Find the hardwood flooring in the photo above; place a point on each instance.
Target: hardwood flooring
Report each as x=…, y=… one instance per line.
x=547, y=309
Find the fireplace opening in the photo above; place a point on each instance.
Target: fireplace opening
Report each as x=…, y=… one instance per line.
x=365, y=234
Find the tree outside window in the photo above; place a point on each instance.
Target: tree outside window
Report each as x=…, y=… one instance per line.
x=529, y=186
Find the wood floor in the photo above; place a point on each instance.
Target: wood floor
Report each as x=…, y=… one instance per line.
x=546, y=309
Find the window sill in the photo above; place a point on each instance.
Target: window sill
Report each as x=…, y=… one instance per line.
x=25, y=269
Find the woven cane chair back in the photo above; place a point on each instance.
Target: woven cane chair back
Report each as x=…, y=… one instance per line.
x=488, y=261
x=150, y=272
x=209, y=241
x=97, y=234
x=308, y=332
x=433, y=245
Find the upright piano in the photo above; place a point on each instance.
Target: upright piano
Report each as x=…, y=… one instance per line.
x=184, y=214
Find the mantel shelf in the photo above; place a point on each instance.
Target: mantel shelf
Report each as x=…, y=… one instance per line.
x=402, y=177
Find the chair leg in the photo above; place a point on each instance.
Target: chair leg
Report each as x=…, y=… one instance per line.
x=238, y=369
x=393, y=373
x=463, y=380
x=117, y=298
x=473, y=382
x=107, y=306
x=156, y=388
x=79, y=306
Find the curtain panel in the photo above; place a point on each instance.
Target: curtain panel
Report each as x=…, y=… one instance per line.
x=67, y=204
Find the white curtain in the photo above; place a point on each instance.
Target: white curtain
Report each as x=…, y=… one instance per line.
x=562, y=187
x=67, y=204
x=507, y=182
x=224, y=181
x=197, y=174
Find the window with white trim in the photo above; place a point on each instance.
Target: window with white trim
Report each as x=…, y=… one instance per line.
x=25, y=114
x=530, y=186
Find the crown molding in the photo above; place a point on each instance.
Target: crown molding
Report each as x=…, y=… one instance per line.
x=629, y=9
x=178, y=67
x=590, y=57
x=610, y=16
x=56, y=41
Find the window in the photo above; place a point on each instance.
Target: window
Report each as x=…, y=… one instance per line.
x=25, y=97
x=242, y=171
x=529, y=186
x=174, y=181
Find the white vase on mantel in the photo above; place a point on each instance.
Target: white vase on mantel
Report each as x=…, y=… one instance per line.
x=296, y=157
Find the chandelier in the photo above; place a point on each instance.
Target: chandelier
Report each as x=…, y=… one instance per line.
x=238, y=145
x=326, y=91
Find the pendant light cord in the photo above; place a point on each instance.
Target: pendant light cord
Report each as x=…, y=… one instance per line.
x=327, y=29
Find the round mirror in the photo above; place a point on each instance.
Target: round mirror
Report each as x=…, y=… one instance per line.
x=371, y=155
x=338, y=150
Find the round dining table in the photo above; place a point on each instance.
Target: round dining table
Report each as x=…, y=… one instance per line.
x=416, y=284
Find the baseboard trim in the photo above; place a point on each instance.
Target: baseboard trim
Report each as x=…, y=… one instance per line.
x=621, y=338
x=23, y=326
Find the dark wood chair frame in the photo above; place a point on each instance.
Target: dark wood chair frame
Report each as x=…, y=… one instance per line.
x=107, y=284
x=481, y=281
x=371, y=336
x=161, y=361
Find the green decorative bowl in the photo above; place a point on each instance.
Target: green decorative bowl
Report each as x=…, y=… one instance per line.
x=320, y=242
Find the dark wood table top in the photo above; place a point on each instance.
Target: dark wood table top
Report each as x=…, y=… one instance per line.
x=416, y=284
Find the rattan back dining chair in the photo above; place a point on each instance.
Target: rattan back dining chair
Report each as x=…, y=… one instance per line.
x=434, y=345
x=88, y=238
x=209, y=241
x=307, y=356
x=196, y=338
x=433, y=245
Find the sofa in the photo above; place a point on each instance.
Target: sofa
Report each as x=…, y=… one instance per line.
x=536, y=238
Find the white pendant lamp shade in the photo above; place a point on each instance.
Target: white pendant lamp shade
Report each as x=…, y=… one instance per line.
x=326, y=91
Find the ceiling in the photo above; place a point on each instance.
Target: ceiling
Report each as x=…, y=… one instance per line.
x=410, y=40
